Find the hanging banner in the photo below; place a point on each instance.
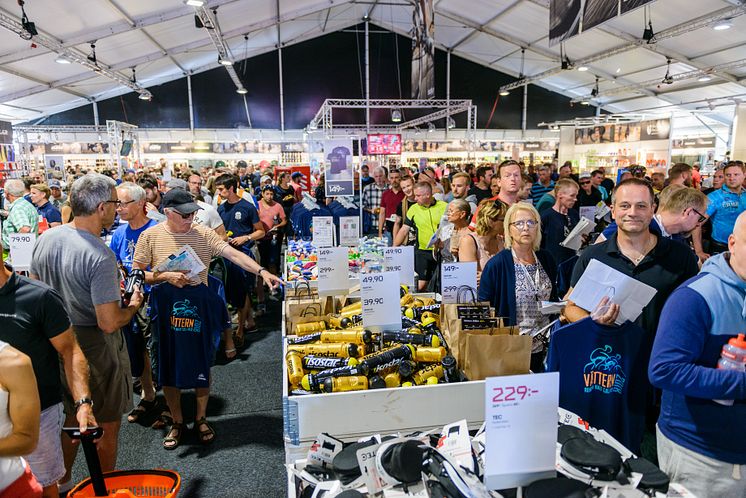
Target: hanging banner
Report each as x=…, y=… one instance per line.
x=569, y=18
x=423, y=50
x=339, y=176
x=6, y=133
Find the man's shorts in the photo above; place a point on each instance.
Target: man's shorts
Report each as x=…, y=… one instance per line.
x=424, y=264
x=46, y=460
x=238, y=284
x=110, y=377
x=25, y=486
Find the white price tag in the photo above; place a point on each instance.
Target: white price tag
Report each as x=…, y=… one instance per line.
x=520, y=408
x=21, y=248
x=333, y=272
x=323, y=231
x=380, y=295
x=456, y=278
x=349, y=230
x=400, y=259
x=366, y=458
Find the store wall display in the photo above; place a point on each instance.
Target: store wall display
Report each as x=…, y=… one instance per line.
x=482, y=146
x=309, y=79
x=693, y=143
x=659, y=129
x=568, y=18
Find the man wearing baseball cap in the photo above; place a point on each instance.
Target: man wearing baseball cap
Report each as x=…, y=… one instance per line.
x=58, y=197
x=157, y=244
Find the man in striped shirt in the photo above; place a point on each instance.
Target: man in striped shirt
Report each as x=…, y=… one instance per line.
x=22, y=215
x=544, y=185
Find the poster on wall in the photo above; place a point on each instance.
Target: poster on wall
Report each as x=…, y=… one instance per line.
x=657, y=129
x=54, y=163
x=423, y=50
x=6, y=133
x=339, y=176
x=568, y=18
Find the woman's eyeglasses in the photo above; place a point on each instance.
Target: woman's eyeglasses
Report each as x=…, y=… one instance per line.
x=521, y=224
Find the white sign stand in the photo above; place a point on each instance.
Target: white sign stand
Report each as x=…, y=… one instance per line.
x=520, y=414
x=21, y=249
x=380, y=296
x=401, y=259
x=333, y=276
x=457, y=276
x=323, y=231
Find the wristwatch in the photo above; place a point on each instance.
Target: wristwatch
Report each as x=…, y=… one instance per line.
x=83, y=401
x=260, y=270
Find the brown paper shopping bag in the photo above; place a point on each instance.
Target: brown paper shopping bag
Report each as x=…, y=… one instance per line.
x=450, y=324
x=491, y=353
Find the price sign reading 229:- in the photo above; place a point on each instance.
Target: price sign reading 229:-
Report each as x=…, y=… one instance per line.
x=380, y=297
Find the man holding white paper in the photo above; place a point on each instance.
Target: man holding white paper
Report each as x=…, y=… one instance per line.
x=636, y=252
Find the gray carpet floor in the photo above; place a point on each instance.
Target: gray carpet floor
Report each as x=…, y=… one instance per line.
x=246, y=459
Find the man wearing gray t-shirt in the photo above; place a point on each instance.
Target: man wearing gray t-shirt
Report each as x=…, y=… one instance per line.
x=74, y=261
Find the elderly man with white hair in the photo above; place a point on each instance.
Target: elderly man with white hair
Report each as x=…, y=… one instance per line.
x=372, y=195
x=22, y=215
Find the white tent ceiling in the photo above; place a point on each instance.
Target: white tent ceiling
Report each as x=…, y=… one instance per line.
x=161, y=41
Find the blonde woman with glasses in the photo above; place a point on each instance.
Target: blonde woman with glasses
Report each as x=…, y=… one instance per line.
x=519, y=278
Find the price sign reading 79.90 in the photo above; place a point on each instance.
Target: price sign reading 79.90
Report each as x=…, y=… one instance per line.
x=380, y=296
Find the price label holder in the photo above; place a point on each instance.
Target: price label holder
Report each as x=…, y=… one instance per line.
x=323, y=231
x=21, y=249
x=401, y=259
x=521, y=414
x=455, y=278
x=349, y=230
x=333, y=271
x=380, y=295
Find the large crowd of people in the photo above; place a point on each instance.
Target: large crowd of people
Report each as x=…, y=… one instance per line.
x=96, y=231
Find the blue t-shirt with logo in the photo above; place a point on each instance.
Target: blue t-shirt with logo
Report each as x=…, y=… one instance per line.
x=187, y=324
x=239, y=218
x=603, y=376
x=725, y=206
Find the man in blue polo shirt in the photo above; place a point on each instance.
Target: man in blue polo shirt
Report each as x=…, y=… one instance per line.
x=725, y=206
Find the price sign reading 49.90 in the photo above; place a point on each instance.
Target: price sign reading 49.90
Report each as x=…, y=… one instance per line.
x=380, y=297
x=400, y=259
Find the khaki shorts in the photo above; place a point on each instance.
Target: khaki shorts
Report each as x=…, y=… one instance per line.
x=109, y=379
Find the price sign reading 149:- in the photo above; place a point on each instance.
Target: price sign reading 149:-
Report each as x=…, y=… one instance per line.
x=380, y=298
x=333, y=271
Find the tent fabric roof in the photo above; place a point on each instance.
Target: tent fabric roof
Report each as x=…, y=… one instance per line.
x=160, y=40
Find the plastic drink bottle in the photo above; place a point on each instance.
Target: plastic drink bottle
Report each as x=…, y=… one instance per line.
x=360, y=337
x=311, y=362
x=450, y=369
x=429, y=355
x=407, y=338
x=421, y=376
x=294, y=361
x=341, y=384
x=732, y=357
x=309, y=328
x=405, y=351
x=332, y=350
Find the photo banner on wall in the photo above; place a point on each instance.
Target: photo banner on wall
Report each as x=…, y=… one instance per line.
x=339, y=176
x=6, y=132
x=568, y=18
x=423, y=50
x=656, y=129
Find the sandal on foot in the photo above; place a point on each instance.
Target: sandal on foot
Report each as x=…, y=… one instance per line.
x=238, y=340
x=206, y=436
x=173, y=438
x=230, y=354
x=143, y=408
x=164, y=420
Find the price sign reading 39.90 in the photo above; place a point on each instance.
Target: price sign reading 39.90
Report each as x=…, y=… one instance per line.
x=400, y=259
x=380, y=296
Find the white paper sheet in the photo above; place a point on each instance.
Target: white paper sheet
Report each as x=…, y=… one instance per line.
x=600, y=280
x=186, y=260
x=574, y=239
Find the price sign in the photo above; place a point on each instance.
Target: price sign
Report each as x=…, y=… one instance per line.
x=333, y=270
x=520, y=408
x=380, y=296
x=21, y=248
x=349, y=230
x=458, y=278
x=401, y=259
x=323, y=231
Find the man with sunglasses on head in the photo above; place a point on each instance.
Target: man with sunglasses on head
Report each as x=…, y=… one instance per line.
x=74, y=261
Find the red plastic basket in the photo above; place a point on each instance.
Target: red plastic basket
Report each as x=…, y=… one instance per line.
x=132, y=484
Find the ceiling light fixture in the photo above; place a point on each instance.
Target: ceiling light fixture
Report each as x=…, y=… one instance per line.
x=145, y=96
x=92, y=55
x=430, y=127
x=668, y=79
x=194, y=3
x=594, y=92
x=504, y=93
x=583, y=69
x=722, y=25
x=395, y=116
x=242, y=91
x=29, y=28
x=225, y=62
x=450, y=123
x=585, y=102
x=61, y=59
x=704, y=78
